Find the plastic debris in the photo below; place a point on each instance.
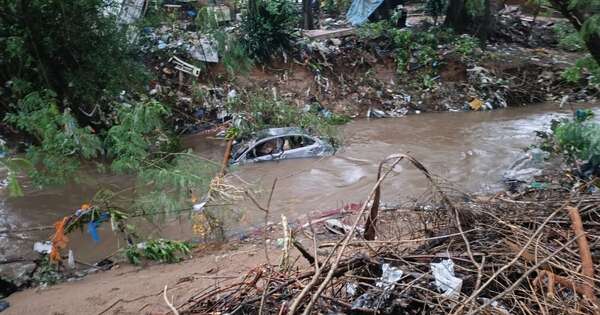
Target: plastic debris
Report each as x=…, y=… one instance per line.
x=389, y=276
x=501, y=309
x=92, y=229
x=199, y=206
x=476, y=104
x=184, y=66
x=360, y=10
x=71, y=260
x=445, y=281
x=351, y=288
x=42, y=247
x=206, y=50
x=3, y=305
x=336, y=226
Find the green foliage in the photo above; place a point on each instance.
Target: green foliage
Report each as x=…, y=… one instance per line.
x=475, y=7
x=137, y=132
x=261, y=112
x=579, y=139
x=162, y=250
x=584, y=66
x=60, y=142
x=568, y=38
x=268, y=27
x=576, y=139
x=374, y=30
x=466, y=45
x=74, y=48
x=165, y=185
x=232, y=51
x=46, y=273
x=419, y=45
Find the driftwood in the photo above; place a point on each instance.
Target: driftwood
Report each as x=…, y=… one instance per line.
x=504, y=250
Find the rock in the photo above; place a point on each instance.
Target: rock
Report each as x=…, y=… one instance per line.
x=19, y=273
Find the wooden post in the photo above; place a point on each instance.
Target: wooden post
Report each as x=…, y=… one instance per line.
x=226, y=157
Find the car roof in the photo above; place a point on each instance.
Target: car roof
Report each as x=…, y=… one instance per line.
x=275, y=132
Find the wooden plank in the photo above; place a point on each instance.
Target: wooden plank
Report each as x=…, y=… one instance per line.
x=326, y=34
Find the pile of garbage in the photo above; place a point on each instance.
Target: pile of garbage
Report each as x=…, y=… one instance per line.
x=525, y=30
x=531, y=253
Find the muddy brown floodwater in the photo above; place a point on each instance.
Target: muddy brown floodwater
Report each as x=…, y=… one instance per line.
x=470, y=149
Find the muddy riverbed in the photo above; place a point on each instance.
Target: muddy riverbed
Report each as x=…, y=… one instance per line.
x=470, y=149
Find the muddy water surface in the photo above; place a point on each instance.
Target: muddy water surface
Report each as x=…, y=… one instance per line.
x=471, y=149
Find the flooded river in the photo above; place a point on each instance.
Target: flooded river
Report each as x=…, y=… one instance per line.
x=470, y=149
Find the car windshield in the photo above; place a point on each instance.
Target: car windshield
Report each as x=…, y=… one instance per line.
x=277, y=145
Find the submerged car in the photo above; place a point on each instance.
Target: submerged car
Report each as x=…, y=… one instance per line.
x=278, y=144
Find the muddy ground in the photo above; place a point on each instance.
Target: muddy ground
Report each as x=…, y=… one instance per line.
x=128, y=289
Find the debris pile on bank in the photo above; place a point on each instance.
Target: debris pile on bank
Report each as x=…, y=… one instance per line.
x=530, y=253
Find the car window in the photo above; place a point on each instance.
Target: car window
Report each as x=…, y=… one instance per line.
x=267, y=147
x=295, y=142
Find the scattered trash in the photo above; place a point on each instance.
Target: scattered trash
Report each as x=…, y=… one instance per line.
x=184, y=66
x=360, y=10
x=199, y=206
x=71, y=259
x=496, y=305
x=337, y=227
x=3, y=305
x=389, y=276
x=445, y=281
x=206, y=50
x=130, y=11
x=525, y=169
x=476, y=104
x=351, y=288
x=42, y=247
x=538, y=185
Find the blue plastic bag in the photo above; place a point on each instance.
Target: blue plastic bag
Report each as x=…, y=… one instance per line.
x=360, y=10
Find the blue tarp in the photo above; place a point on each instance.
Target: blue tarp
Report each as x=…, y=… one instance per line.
x=360, y=10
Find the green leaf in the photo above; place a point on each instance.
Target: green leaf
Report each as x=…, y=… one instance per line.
x=14, y=188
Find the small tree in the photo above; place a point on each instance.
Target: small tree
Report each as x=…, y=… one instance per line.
x=73, y=48
x=585, y=17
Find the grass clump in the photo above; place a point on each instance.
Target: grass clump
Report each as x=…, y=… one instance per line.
x=162, y=250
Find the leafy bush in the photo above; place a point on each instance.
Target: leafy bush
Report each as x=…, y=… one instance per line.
x=579, y=139
x=466, y=45
x=137, y=132
x=74, y=48
x=568, y=38
x=586, y=65
x=60, y=143
x=261, y=112
x=162, y=250
x=576, y=140
x=268, y=27
x=167, y=185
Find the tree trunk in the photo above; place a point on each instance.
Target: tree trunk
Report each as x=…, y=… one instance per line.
x=307, y=15
x=577, y=17
x=456, y=16
x=593, y=45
